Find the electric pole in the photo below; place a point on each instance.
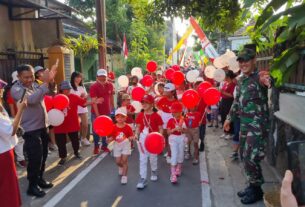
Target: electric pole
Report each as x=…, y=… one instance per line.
x=101, y=32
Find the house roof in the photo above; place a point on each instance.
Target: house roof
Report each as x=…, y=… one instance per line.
x=241, y=31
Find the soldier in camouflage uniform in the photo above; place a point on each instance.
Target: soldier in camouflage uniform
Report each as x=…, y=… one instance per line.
x=251, y=106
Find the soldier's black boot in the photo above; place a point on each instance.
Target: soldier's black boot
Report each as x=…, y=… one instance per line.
x=244, y=192
x=34, y=190
x=201, y=147
x=256, y=194
x=44, y=184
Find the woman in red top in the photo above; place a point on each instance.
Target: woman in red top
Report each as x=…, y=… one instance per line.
x=147, y=121
x=71, y=125
x=227, y=100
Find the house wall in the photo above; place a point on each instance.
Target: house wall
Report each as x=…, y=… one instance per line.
x=238, y=42
x=14, y=34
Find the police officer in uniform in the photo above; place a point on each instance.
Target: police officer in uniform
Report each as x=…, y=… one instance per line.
x=34, y=123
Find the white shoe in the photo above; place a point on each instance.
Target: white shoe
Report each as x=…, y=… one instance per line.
x=86, y=142
x=223, y=136
x=124, y=180
x=187, y=156
x=165, y=154
x=229, y=136
x=142, y=183
x=120, y=171
x=168, y=160
x=154, y=176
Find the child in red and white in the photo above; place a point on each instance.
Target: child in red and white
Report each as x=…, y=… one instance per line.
x=164, y=105
x=176, y=129
x=147, y=121
x=192, y=122
x=121, y=135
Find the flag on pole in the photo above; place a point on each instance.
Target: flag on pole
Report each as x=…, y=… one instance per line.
x=205, y=42
x=125, y=49
x=180, y=43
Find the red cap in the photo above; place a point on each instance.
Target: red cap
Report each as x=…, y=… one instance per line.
x=111, y=75
x=176, y=107
x=148, y=98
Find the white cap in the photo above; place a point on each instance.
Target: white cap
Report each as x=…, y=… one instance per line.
x=101, y=72
x=122, y=111
x=199, y=79
x=14, y=76
x=169, y=87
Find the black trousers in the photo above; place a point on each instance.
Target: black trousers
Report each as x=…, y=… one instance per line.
x=61, y=140
x=36, y=148
x=224, y=109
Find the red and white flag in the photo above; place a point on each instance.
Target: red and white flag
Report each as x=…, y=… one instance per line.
x=125, y=49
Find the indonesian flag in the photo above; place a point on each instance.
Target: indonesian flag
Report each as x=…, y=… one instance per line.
x=125, y=49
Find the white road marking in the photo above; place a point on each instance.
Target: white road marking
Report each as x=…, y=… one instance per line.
x=61, y=194
x=205, y=186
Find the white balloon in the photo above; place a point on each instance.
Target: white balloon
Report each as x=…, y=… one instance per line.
x=209, y=71
x=137, y=105
x=230, y=54
x=56, y=117
x=233, y=64
x=123, y=81
x=156, y=89
x=192, y=75
x=219, y=62
x=136, y=71
x=219, y=75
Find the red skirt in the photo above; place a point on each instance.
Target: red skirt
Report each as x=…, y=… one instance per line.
x=9, y=187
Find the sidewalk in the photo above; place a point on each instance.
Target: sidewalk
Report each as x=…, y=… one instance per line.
x=226, y=177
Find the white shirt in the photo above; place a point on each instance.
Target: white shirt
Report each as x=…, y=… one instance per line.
x=79, y=92
x=7, y=141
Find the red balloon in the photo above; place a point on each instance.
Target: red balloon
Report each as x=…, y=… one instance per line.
x=151, y=66
x=48, y=102
x=178, y=78
x=147, y=80
x=103, y=126
x=169, y=73
x=60, y=102
x=154, y=143
x=137, y=93
x=203, y=87
x=176, y=67
x=211, y=96
x=190, y=98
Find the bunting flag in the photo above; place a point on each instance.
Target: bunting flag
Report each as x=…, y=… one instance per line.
x=180, y=43
x=205, y=42
x=125, y=49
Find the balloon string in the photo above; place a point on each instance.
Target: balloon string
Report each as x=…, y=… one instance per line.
x=205, y=111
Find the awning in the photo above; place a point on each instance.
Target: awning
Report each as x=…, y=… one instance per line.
x=37, y=9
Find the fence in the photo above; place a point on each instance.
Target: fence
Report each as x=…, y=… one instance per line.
x=10, y=60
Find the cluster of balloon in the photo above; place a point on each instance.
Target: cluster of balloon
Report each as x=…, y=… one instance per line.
x=190, y=98
x=219, y=75
x=154, y=143
x=147, y=80
x=203, y=87
x=176, y=67
x=55, y=106
x=192, y=75
x=137, y=93
x=123, y=81
x=151, y=66
x=103, y=126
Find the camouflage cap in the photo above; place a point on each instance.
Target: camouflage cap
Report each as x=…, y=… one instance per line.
x=246, y=54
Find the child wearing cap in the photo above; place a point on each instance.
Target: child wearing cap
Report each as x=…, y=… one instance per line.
x=121, y=135
x=164, y=105
x=71, y=125
x=147, y=121
x=176, y=128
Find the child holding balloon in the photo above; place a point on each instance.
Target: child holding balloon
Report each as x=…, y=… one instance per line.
x=176, y=128
x=121, y=135
x=147, y=121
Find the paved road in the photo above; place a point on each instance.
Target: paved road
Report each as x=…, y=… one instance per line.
x=101, y=187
